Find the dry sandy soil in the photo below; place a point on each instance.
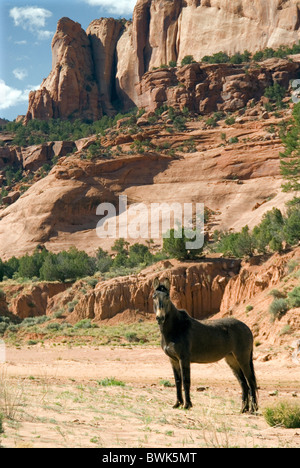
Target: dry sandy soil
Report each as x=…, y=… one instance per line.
x=54, y=398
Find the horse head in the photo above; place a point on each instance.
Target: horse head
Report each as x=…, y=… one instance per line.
x=161, y=299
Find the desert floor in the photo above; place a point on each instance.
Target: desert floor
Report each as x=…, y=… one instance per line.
x=55, y=396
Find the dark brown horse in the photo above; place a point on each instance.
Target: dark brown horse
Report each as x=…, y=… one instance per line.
x=186, y=340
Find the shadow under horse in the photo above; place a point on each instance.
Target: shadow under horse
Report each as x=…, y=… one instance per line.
x=186, y=340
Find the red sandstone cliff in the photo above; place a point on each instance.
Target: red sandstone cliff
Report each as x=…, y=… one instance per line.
x=91, y=70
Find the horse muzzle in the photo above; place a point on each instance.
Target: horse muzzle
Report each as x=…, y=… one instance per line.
x=160, y=317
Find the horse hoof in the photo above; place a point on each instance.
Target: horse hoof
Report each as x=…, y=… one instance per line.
x=187, y=406
x=177, y=404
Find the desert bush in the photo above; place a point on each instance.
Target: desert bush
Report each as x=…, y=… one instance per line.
x=219, y=57
x=284, y=414
x=53, y=326
x=187, y=60
x=111, y=381
x=278, y=308
x=233, y=140
x=277, y=294
x=294, y=297
x=103, y=260
x=292, y=225
x=276, y=93
x=85, y=323
x=236, y=244
x=174, y=244
x=230, y=120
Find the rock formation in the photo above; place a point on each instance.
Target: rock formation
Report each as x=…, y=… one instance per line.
x=239, y=181
x=71, y=89
x=197, y=287
x=204, y=88
x=93, y=70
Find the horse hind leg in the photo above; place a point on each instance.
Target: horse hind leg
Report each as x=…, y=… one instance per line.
x=237, y=371
x=248, y=371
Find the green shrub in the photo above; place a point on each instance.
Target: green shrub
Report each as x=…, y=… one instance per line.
x=67, y=265
x=174, y=244
x=132, y=337
x=284, y=414
x=53, y=326
x=294, y=297
x=230, y=120
x=85, y=323
x=219, y=57
x=3, y=327
x=277, y=294
x=278, y=308
x=30, y=321
x=233, y=140
x=111, y=381
x=276, y=93
x=187, y=60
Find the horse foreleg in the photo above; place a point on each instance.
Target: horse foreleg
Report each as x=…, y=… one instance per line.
x=178, y=382
x=185, y=367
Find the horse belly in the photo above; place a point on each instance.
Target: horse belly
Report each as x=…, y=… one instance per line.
x=210, y=352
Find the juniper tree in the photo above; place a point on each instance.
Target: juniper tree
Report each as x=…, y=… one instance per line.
x=290, y=159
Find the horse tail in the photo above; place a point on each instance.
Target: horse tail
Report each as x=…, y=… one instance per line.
x=253, y=374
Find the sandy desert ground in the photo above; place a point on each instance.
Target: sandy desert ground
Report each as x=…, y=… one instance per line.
x=55, y=396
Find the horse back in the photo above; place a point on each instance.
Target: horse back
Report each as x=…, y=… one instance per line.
x=212, y=340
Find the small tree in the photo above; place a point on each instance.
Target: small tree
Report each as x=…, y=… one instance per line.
x=290, y=159
x=103, y=260
x=175, y=245
x=276, y=93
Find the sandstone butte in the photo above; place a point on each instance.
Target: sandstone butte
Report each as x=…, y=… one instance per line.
x=94, y=69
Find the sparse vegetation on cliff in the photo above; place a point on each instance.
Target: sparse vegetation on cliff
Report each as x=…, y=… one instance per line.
x=268, y=236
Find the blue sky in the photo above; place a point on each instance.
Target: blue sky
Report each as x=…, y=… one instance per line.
x=26, y=31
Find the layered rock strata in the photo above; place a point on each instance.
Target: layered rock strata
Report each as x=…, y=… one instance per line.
x=94, y=71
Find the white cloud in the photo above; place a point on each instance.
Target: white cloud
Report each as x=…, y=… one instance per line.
x=10, y=97
x=32, y=19
x=117, y=7
x=45, y=34
x=20, y=73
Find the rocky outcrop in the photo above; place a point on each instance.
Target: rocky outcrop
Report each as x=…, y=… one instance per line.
x=29, y=301
x=238, y=181
x=249, y=294
x=254, y=279
x=104, y=34
x=93, y=70
x=203, y=88
x=196, y=287
x=71, y=89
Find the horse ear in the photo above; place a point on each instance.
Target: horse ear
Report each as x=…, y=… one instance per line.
x=167, y=284
x=155, y=283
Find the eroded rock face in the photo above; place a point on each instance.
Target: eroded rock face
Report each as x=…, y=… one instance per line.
x=252, y=280
x=196, y=287
x=71, y=89
x=204, y=88
x=92, y=70
x=104, y=34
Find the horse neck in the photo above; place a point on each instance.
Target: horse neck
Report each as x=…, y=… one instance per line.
x=173, y=317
